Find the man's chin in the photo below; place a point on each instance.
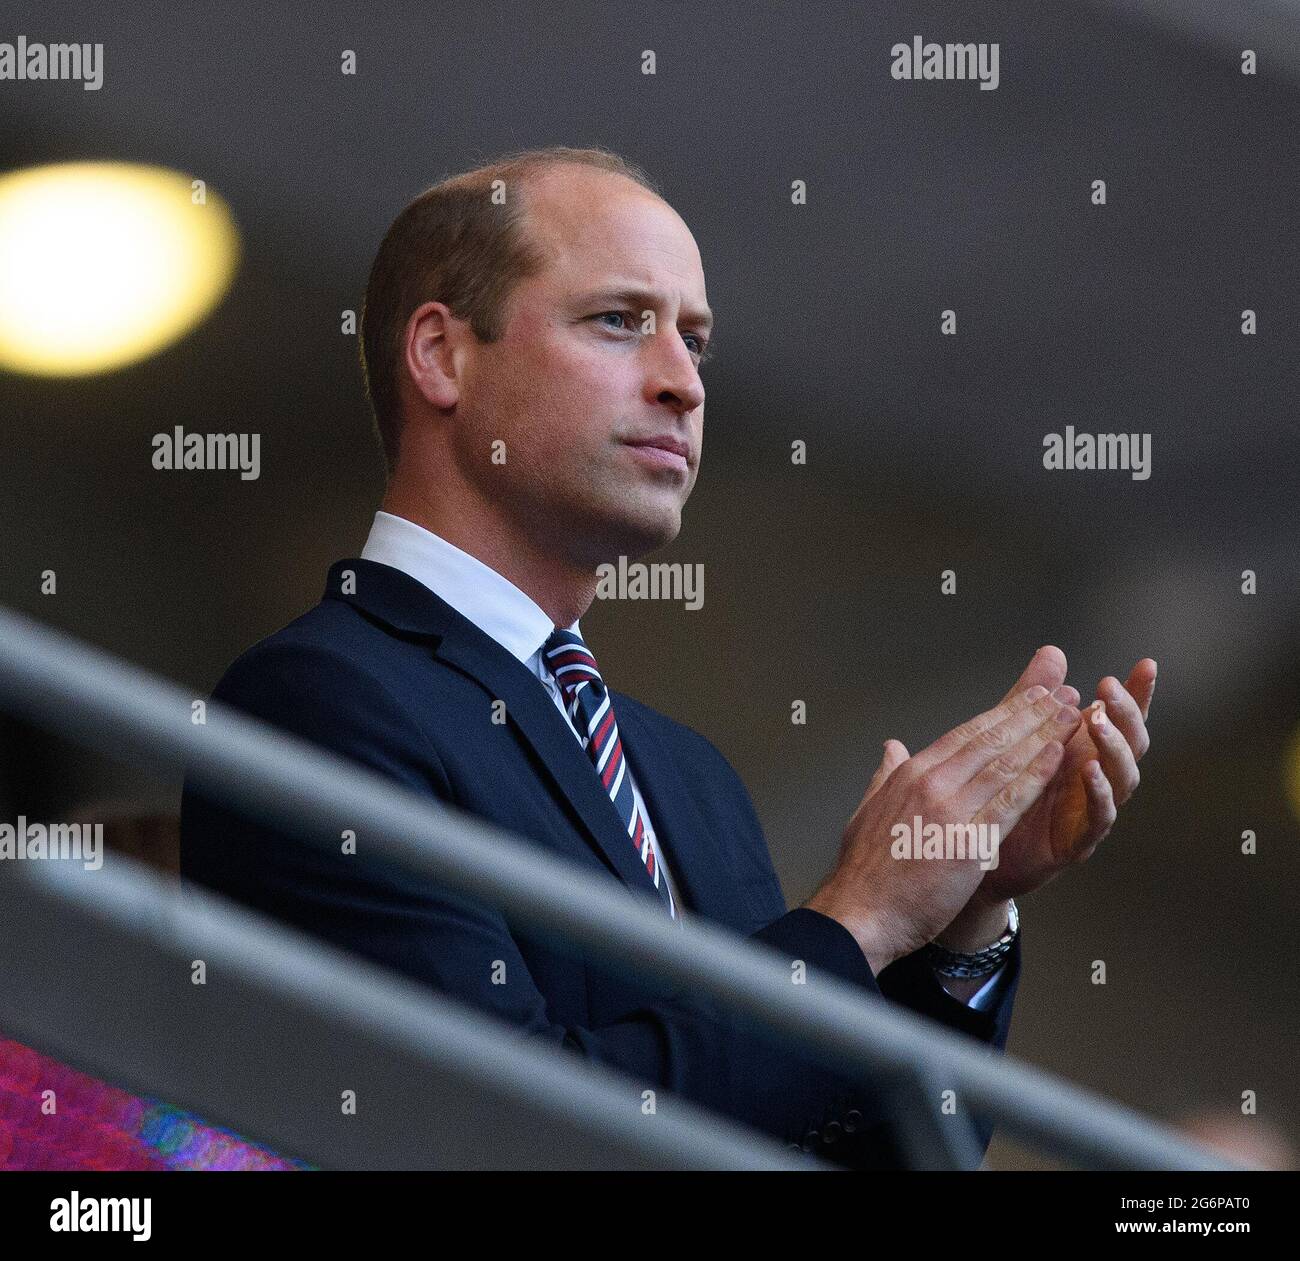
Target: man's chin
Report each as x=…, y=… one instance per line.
x=634, y=535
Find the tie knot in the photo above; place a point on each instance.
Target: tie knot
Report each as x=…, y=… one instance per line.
x=571, y=662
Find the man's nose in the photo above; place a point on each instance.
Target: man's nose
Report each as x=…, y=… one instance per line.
x=675, y=379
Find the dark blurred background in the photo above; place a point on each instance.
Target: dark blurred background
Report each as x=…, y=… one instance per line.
x=924, y=451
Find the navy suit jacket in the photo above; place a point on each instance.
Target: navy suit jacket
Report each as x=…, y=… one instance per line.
x=393, y=677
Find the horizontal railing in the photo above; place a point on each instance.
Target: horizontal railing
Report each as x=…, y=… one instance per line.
x=57, y=682
x=97, y=969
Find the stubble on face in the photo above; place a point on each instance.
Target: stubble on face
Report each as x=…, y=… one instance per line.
x=562, y=395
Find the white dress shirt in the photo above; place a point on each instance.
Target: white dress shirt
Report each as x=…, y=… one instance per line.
x=499, y=609
x=504, y=613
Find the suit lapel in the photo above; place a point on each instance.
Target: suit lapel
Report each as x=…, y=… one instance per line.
x=542, y=725
x=410, y=608
x=698, y=862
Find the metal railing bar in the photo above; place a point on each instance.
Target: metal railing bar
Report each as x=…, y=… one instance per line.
x=90, y=696
x=97, y=967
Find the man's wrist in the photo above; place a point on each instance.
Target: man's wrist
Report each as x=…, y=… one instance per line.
x=979, y=925
x=980, y=963
x=870, y=929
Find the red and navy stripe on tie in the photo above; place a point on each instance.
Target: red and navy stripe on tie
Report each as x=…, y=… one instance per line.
x=588, y=704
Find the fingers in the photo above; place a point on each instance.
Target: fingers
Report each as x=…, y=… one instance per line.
x=1101, y=809
x=1006, y=807
x=895, y=755
x=944, y=747
x=1141, y=684
x=1005, y=767
x=1114, y=752
x=1046, y=669
x=1123, y=711
x=996, y=755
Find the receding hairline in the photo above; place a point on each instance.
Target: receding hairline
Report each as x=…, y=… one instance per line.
x=549, y=175
x=530, y=171
x=539, y=172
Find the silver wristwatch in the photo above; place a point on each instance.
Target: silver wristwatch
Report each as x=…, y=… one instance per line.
x=976, y=963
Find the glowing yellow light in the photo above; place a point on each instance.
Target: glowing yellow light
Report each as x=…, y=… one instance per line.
x=104, y=263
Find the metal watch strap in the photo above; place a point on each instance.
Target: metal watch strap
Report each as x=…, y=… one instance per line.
x=976, y=963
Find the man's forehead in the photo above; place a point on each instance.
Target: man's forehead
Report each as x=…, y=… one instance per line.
x=569, y=193
x=610, y=230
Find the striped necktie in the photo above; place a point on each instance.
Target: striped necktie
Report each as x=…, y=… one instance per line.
x=591, y=710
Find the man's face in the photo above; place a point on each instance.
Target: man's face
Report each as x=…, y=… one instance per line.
x=575, y=388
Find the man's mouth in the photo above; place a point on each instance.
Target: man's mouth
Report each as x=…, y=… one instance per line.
x=662, y=450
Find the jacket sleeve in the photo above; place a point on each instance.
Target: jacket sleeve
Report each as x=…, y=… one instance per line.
x=681, y=1043
x=909, y=981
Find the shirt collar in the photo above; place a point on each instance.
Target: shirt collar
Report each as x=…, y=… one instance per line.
x=475, y=590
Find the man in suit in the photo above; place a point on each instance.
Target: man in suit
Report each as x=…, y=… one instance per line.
x=532, y=339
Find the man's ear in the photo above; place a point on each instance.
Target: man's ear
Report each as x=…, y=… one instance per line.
x=429, y=354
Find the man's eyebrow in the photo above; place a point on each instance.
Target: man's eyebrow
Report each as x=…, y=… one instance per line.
x=646, y=299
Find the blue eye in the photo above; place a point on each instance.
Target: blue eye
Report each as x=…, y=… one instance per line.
x=705, y=351
x=701, y=350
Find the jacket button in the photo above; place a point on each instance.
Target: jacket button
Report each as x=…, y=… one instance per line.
x=851, y=1119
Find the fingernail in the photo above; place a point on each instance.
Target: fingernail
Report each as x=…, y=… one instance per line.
x=1062, y=694
x=1067, y=717
x=1035, y=693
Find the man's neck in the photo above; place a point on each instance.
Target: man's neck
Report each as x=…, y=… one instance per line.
x=564, y=593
